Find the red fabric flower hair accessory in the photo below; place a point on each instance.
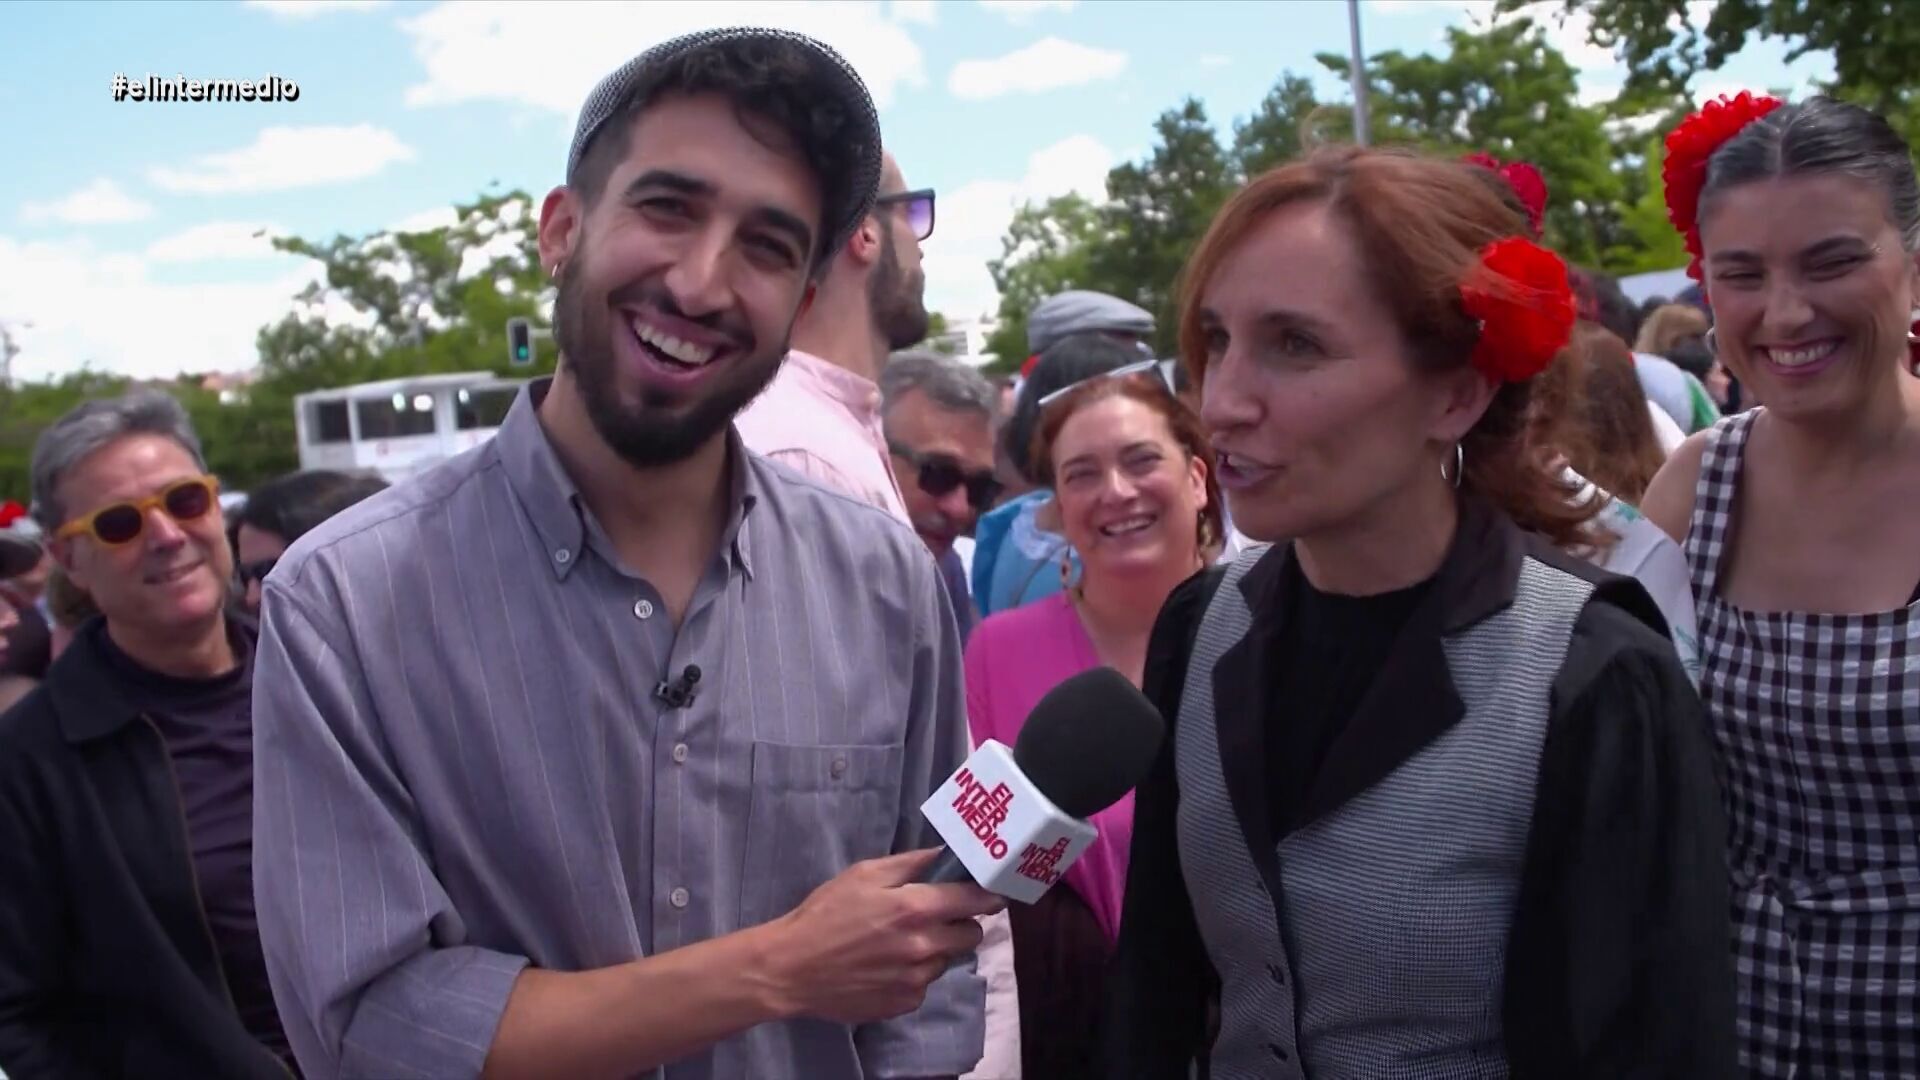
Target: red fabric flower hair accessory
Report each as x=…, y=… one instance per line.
x=1519, y=295
x=1526, y=182
x=1689, y=147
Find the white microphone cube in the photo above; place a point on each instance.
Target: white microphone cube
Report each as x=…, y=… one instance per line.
x=1013, y=840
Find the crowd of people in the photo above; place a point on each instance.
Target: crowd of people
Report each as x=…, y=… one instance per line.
x=1541, y=671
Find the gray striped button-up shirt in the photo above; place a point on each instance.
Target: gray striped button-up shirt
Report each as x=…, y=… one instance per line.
x=462, y=767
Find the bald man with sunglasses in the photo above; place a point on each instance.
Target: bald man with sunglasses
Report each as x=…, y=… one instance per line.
x=127, y=936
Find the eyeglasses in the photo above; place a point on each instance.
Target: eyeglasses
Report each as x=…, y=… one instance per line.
x=123, y=522
x=1143, y=367
x=919, y=206
x=257, y=570
x=938, y=474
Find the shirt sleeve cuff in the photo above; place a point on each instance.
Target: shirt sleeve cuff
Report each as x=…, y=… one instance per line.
x=944, y=1037
x=434, y=1015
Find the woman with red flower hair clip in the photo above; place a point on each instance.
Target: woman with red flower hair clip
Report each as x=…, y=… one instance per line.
x=1801, y=524
x=1436, y=799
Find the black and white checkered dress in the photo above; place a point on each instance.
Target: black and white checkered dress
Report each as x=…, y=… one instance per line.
x=1817, y=718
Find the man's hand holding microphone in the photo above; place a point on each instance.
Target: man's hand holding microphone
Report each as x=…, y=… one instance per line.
x=867, y=945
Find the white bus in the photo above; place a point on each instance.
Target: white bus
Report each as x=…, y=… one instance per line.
x=397, y=427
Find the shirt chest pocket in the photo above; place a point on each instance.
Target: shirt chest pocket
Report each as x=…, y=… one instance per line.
x=814, y=811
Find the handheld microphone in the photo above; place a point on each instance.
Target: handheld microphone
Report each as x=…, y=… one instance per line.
x=679, y=693
x=1015, y=821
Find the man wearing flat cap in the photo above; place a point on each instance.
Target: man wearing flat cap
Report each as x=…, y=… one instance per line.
x=1083, y=311
x=599, y=750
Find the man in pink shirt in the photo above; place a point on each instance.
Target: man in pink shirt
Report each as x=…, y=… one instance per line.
x=821, y=417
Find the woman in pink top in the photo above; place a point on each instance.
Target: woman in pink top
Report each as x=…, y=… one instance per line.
x=1134, y=492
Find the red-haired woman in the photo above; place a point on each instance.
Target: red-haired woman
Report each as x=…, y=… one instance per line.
x=1802, y=527
x=1437, y=800
x=1134, y=494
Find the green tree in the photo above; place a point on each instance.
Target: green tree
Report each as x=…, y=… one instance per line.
x=1284, y=126
x=936, y=329
x=429, y=301
x=1507, y=91
x=1643, y=205
x=1875, y=45
x=27, y=409
x=1044, y=252
x=1156, y=212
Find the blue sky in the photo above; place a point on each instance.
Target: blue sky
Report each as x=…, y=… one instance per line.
x=126, y=229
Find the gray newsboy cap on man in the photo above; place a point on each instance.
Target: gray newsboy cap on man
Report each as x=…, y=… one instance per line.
x=840, y=88
x=1080, y=311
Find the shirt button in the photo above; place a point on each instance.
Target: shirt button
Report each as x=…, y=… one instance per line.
x=563, y=556
x=678, y=898
x=1279, y=974
x=838, y=768
x=643, y=609
x=1278, y=1051
x=679, y=753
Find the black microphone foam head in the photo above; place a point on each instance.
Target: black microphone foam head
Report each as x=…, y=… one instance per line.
x=1089, y=741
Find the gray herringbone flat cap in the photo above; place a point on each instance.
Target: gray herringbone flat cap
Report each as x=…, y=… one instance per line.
x=860, y=137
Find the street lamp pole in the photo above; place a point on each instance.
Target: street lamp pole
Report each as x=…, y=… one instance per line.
x=1359, y=68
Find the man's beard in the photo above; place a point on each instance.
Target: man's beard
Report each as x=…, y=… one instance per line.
x=899, y=305
x=663, y=430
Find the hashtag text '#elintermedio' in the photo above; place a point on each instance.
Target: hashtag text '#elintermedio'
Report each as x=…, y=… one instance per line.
x=181, y=88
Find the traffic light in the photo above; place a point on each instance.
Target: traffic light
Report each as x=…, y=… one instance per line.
x=519, y=342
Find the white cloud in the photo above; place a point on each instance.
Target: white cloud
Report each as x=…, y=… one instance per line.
x=1215, y=60
x=924, y=12
x=440, y=217
x=1047, y=64
x=112, y=311
x=217, y=240
x=1019, y=11
x=289, y=157
x=549, y=55
x=99, y=203
x=307, y=9
x=1698, y=12
x=1474, y=10
x=974, y=218
x=1567, y=31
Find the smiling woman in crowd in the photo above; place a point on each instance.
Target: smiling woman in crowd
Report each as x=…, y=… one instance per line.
x=1015, y=560
x=1799, y=521
x=1435, y=798
x=1134, y=494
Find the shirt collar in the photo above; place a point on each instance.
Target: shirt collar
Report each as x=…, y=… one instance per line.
x=1475, y=579
x=94, y=697
x=858, y=393
x=552, y=500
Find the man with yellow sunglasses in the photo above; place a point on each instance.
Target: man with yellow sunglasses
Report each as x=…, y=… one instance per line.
x=127, y=939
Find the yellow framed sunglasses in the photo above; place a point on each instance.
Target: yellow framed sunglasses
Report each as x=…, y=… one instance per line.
x=123, y=522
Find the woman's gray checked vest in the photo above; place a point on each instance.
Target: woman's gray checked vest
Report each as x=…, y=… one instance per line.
x=1395, y=907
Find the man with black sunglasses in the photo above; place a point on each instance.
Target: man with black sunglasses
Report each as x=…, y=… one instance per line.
x=128, y=942
x=938, y=414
